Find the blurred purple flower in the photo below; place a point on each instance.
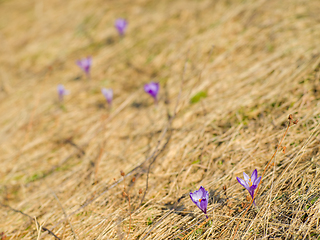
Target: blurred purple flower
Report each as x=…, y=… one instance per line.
x=85, y=65
x=200, y=198
x=108, y=94
x=250, y=183
x=61, y=92
x=121, y=25
x=152, y=88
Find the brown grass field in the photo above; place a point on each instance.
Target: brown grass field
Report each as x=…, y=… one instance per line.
x=253, y=61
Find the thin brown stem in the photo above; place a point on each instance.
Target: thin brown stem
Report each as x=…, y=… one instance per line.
x=129, y=215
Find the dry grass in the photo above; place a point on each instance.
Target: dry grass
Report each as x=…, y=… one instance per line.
x=61, y=166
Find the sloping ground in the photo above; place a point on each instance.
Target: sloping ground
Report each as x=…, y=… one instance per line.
x=61, y=164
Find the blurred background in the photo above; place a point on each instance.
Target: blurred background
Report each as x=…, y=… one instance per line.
x=230, y=72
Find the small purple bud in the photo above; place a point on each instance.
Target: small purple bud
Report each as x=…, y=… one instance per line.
x=108, y=94
x=62, y=92
x=250, y=183
x=121, y=25
x=85, y=65
x=152, y=88
x=200, y=198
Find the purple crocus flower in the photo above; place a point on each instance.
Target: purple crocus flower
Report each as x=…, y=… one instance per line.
x=61, y=92
x=200, y=198
x=121, y=25
x=152, y=88
x=108, y=94
x=250, y=183
x=85, y=65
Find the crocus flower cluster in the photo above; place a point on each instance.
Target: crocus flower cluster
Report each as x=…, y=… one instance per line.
x=85, y=65
x=121, y=25
x=152, y=88
x=250, y=183
x=200, y=198
x=62, y=92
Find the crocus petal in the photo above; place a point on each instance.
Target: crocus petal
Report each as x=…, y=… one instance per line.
x=196, y=195
x=62, y=92
x=108, y=94
x=121, y=25
x=193, y=198
x=206, y=195
x=146, y=88
x=89, y=61
x=155, y=86
x=202, y=191
x=254, y=176
x=251, y=191
x=60, y=88
x=203, y=205
x=246, y=177
x=257, y=181
x=87, y=64
x=243, y=183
